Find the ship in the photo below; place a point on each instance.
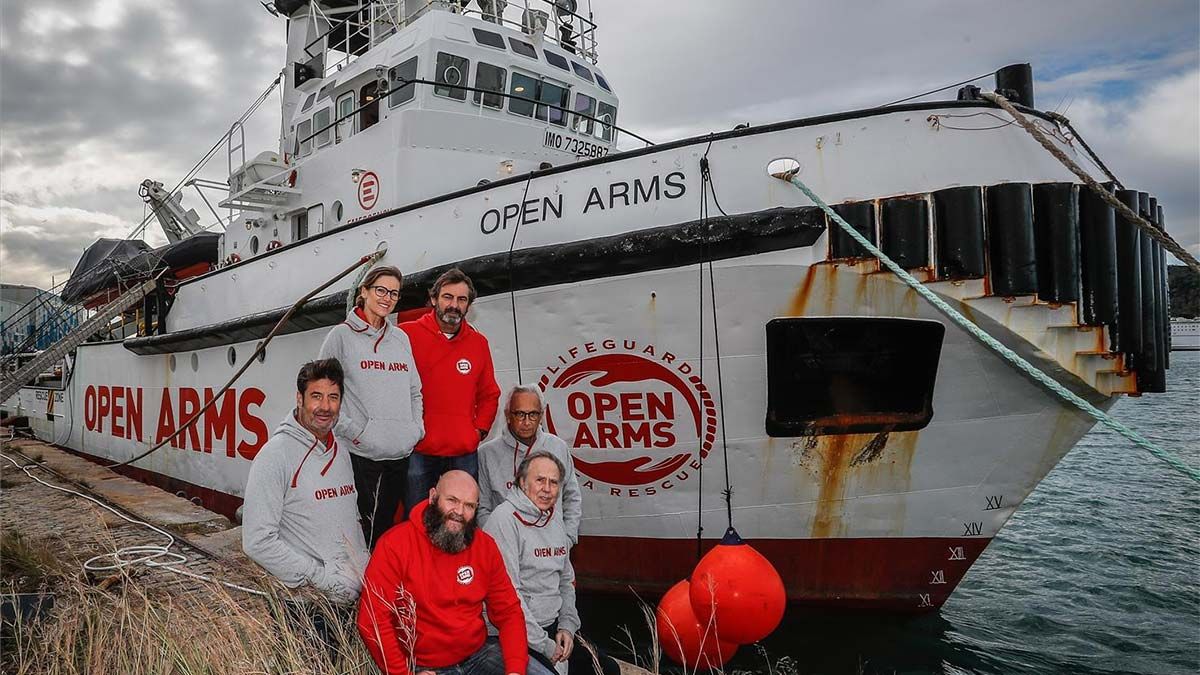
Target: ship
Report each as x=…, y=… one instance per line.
x=713, y=347
x=1185, y=335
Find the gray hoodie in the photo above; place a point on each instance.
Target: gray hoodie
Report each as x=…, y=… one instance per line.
x=536, y=552
x=382, y=411
x=498, y=462
x=300, y=519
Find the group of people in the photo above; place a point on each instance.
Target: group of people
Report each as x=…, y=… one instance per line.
x=378, y=489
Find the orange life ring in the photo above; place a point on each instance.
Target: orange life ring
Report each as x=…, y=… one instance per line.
x=274, y=244
x=291, y=180
x=234, y=258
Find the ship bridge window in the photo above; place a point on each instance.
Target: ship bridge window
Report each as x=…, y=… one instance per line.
x=368, y=100
x=556, y=60
x=523, y=48
x=308, y=102
x=322, y=120
x=587, y=105
x=303, y=142
x=491, y=79
x=581, y=71
x=607, y=114
x=849, y=375
x=522, y=89
x=554, y=95
x=488, y=39
x=603, y=82
x=345, y=106
x=407, y=72
x=451, y=76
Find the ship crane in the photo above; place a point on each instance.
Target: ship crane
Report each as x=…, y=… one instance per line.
x=176, y=223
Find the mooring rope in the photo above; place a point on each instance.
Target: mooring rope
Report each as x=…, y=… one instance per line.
x=1127, y=213
x=1008, y=354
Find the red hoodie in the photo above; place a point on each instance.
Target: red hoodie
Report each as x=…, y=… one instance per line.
x=458, y=385
x=449, y=592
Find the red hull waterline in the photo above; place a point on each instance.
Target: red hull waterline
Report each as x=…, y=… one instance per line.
x=911, y=574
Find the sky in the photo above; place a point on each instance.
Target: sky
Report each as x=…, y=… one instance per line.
x=97, y=95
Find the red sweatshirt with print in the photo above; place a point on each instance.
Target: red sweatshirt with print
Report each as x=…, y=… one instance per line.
x=449, y=592
x=458, y=385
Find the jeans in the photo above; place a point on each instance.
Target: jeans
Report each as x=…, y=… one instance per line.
x=487, y=661
x=380, y=484
x=424, y=471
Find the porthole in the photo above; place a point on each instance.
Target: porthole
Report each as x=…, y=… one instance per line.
x=232, y=356
x=195, y=362
x=337, y=212
x=262, y=355
x=254, y=245
x=171, y=363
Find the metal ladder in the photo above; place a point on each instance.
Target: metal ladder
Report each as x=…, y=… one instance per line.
x=76, y=337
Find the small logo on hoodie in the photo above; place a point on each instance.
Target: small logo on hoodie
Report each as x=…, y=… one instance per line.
x=466, y=574
x=464, y=366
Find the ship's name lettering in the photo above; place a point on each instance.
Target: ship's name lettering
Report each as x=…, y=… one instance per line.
x=120, y=412
x=618, y=194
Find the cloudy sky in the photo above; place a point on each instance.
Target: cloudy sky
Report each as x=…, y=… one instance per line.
x=97, y=95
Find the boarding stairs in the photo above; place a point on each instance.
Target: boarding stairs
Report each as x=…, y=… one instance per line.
x=76, y=337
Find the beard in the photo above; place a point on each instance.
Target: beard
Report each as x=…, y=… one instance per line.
x=443, y=537
x=450, y=316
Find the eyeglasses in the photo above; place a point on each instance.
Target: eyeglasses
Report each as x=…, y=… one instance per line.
x=532, y=415
x=382, y=292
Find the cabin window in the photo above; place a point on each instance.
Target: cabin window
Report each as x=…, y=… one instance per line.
x=850, y=375
x=326, y=90
x=368, y=102
x=451, y=76
x=581, y=71
x=554, y=95
x=491, y=79
x=587, y=106
x=303, y=142
x=405, y=71
x=523, y=48
x=321, y=123
x=308, y=102
x=556, y=60
x=488, y=39
x=522, y=89
x=603, y=82
x=607, y=114
x=345, y=108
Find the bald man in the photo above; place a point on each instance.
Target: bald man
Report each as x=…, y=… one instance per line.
x=442, y=570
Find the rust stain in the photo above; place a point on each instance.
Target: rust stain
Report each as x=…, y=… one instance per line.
x=871, y=450
x=861, y=296
x=800, y=297
x=831, y=288
x=879, y=463
x=835, y=452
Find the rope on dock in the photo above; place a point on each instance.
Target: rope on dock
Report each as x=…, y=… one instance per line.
x=1125, y=212
x=1009, y=355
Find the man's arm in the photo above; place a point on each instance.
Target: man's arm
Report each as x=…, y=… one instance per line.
x=504, y=611
x=568, y=615
x=572, y=498
x=377, y=607
x=414, y=392
x=487, y=396
x=263, y=510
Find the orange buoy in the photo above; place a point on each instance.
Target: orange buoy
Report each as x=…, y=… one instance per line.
x=683, y=638
x=738, y=590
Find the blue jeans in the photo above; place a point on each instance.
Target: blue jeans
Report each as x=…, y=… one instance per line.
x=424, y=471
x=487, y=661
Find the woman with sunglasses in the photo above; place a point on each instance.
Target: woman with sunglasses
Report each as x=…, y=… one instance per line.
x=381, y=415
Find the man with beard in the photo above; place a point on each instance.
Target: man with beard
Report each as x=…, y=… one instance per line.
x=458, y=384
x=300, y=520
x=425, y=590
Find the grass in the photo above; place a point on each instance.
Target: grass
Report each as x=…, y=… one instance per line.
x=27, y=566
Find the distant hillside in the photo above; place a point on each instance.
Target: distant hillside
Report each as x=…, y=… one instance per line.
x=1185, y=291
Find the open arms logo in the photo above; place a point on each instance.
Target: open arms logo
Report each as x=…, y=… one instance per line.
x=638, y=418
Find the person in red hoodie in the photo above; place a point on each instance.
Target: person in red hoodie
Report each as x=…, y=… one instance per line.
x=458, y=384
x=426, y=586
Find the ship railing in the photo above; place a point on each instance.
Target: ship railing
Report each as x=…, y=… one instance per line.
x=369, y=23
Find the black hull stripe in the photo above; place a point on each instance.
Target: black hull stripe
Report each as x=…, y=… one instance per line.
x=642, y=251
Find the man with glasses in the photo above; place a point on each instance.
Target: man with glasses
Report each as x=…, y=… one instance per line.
x=523, y=436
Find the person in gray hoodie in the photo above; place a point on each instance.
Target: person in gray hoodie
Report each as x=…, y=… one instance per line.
x=300, y=518
x=383, y=413
x=521, y=438
x=529, y=530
